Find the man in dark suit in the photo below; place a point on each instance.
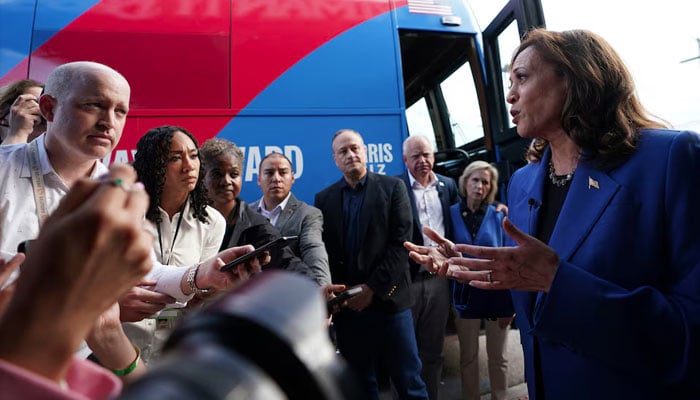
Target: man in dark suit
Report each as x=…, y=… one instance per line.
x=367, y=217
x=431, y=196
x=291, y=216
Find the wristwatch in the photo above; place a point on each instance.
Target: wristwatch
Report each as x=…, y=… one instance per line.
x=191, y=281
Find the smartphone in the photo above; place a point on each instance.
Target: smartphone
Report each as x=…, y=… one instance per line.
x=274, y=244
x=341, y=297
x=23, y=247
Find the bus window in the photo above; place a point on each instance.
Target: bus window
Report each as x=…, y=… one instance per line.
x=463, y=106
x=508, y=41
x=425, y=83
x=418, y=120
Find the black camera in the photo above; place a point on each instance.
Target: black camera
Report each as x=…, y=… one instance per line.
x=267, y=339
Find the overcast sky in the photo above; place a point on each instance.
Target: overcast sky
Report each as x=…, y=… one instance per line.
x=652, y=38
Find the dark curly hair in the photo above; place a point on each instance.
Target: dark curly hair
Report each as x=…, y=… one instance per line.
x=601, y=112
x=152, y=153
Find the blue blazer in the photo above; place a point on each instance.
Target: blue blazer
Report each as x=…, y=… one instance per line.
x=622, y=318
x=449, y=195
x=471, y=302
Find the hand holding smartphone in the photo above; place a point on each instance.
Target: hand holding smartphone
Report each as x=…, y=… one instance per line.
x=338, y=300
x=274, y=244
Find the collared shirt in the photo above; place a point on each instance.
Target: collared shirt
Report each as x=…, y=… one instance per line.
x=196, y=241
x=274, y=214
x=18, y=212
x=352, y=203
x=428, y=205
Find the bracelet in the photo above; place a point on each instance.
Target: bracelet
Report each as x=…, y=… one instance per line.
x=191, y=281
x=132, y=366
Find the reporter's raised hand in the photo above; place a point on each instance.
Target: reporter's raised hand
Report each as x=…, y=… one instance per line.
x=97, y=234
x=89, y=251
x=26, y=121
x=210, y=276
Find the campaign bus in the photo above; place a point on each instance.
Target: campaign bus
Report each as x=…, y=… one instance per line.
x=285, y=75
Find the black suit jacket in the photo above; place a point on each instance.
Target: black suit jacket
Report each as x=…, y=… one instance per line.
x=385, y=223
x=449, y=195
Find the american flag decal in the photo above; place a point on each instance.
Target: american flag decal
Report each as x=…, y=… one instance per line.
x=437, y=7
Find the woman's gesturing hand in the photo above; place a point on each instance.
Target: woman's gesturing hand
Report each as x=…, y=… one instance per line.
x=530, y=265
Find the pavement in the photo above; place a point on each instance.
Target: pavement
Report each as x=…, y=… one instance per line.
x=451, y=388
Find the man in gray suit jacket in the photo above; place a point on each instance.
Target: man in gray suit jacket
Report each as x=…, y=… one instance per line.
x=291, y=216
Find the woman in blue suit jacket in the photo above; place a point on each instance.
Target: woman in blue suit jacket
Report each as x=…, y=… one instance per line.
x=476, y=221
x=604, y=231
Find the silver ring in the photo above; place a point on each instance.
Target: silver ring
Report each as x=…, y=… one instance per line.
x=490, y=277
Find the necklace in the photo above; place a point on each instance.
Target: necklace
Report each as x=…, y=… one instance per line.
x=560, y=180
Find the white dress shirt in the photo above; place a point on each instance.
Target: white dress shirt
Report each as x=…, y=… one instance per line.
x=196, y=241
x=428, y=206
x=18, y=212
x=274, y=214
x=19, y=220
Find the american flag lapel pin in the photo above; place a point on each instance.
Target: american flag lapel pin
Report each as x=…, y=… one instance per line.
x=592, y=183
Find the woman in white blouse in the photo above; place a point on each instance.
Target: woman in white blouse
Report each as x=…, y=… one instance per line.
x=188, y=229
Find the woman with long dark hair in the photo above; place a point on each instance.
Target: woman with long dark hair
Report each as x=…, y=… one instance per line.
x=168, y=164
x=602, y=250
x=188, y=231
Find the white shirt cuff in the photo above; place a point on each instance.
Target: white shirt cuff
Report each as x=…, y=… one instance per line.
x=168, y=280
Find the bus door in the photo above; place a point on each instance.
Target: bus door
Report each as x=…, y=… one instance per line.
x=500, y=38
x=455, y=78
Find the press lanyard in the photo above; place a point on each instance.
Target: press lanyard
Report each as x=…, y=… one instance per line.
x=177, y=229
x=38, y=182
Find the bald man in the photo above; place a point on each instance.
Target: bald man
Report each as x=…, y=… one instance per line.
x=85, y=105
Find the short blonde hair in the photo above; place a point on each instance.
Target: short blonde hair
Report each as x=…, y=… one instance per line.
x=477, y=166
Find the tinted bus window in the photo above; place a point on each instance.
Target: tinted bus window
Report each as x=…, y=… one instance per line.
x=463, y=106
x=418, y=120
x=508, y=41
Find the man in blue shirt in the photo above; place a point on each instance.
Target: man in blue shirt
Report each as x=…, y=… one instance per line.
x=367, y=217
